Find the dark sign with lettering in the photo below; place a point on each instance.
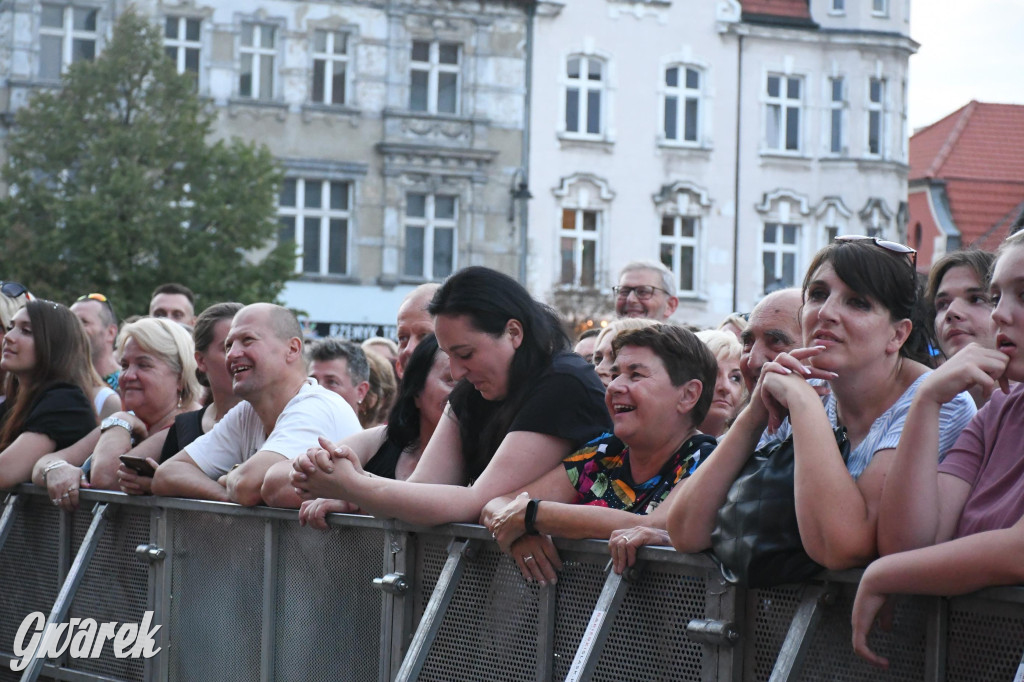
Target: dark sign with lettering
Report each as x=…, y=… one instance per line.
x=353, y=331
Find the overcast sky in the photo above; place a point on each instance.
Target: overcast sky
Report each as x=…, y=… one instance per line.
x=969, y=50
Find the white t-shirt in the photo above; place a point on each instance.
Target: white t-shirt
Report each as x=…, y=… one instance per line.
x=313, y=412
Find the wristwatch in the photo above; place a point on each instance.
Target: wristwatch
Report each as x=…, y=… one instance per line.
x=111, y=422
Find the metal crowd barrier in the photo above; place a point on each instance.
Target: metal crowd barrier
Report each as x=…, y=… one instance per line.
x=246, y=594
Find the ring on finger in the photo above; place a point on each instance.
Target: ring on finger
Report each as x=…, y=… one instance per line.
x=65, y=495
x=528, y=557
x=56, y=502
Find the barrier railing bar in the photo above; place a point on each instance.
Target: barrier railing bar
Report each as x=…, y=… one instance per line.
x=433, y=614
x=936, y=641
x=608, y=602
x=546, y=615
x=396, y=611
x=71, y=583
x=801, y=630
x=11, y=504
x=268, y=642
x=726, y=603
x=1019, y=676
x=161, y=534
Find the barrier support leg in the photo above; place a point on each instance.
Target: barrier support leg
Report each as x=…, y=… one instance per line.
x=801, y=630
x=100, y=515
x=458, y=551
x=7, y=520
x=938, y=637
x=589, y=651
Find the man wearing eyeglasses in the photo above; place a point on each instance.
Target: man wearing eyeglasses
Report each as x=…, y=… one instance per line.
x=100, y=323
x=646, y=289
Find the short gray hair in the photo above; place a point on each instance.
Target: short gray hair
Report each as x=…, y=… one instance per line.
x=333, y=348
x=668, y=278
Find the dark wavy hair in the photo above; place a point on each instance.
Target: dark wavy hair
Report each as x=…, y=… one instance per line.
x=489, y=300
x=885, y=276
x=403, y=429
x=62, y=356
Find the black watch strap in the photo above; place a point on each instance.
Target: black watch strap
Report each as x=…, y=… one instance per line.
x=531, y=516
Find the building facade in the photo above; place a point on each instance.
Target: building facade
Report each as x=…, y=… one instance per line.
x=728, y=140
x=399, y=125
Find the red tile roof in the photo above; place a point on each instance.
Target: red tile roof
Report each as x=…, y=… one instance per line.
x=778, y=8
x=978, y=151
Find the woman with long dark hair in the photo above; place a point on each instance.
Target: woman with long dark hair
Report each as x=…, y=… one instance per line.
x=49, y=375
x=862, y=336
x=522, y=403
x=393, y=450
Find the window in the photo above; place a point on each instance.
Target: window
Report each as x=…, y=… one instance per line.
x=679, y=249
x=838, y=6
x=434, y=77
x=682, y=104
x=314, y=215
x=430, y=221
x=181, y=43
x=579, y=247
x=330, y=63
x=880, y=8
x=259, y=50
x=585, y=77
x=779, y=256
x=66, y=35
x=784, y=103
x=837, y=102
x=876, y=116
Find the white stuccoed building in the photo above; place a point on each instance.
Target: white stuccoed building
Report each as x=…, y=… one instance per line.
x=728, y=140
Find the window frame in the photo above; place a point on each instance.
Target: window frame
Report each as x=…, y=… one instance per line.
x=582, y=85
x=331, y=61
x=786, y=106
x=68, y=35
x=836, y=110
x=876, y=114
x=580, y=237
x=880, y=8
x=325, y=214
x=257, y=51
x=780, y=248
x=837, y=7
x=434, y=68
x=181, y=44
x=683, y=95
x=430, y=224
x=677, y=242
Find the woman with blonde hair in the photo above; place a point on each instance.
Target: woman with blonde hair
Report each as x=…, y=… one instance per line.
x=13, y=295
x=157, y=383
x=374, y=408
x=730, y=393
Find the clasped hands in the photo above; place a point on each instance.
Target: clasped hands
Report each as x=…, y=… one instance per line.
x=784, y=379
x=326, y=471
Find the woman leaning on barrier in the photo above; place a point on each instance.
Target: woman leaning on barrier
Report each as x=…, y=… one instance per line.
x=971, y=502
x=663, y=380
x=394, y=450
x=859, y=301
x=49, y=374
x=157, y=383
x=522, y=403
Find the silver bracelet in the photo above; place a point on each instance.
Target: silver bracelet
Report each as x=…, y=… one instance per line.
x=51, y=466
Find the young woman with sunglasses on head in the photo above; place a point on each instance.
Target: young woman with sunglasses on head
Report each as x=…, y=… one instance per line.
x=859, y=302
x=957, y=526
x=46, y=408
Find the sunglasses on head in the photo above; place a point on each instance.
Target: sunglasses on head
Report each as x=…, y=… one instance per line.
x=893, y=247
x=100, y=298
x=13, y=289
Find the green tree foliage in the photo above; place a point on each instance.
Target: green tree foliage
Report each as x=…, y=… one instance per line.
x=116, y=187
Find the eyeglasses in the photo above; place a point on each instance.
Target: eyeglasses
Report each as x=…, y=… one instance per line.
x=894, y=247
x=13, y=289
x=642, y=292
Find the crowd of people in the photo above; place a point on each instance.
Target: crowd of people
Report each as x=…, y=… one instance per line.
x=485, y=411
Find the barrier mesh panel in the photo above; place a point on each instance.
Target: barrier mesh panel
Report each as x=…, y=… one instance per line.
x=648, y=638
x=28, y=570
x=831, y=655
x=579, y=586
x=328, y=612
x=985, y=641
x=490, y=629
x=115, y=586
x=769, y=613
x=217, y=597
